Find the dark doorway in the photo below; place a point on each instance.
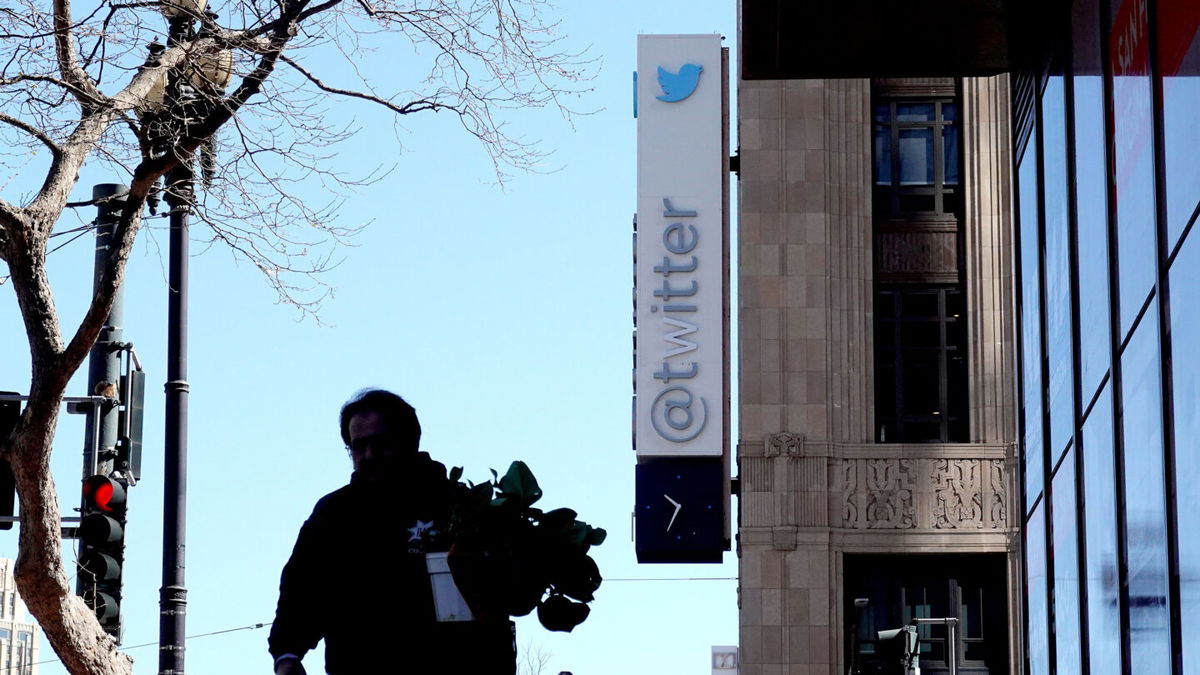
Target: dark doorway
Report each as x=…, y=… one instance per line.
x=899, y=588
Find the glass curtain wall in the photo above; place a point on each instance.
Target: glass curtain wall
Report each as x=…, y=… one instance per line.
x=1109, y=309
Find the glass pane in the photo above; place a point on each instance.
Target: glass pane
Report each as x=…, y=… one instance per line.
x=883, y=112
x=971, y=613
x=883, y=155
x=1039, y=612
x=1103, y=582
x=921, y=304
x=914, y=112
x=920, y=382
x=921, y=334
x=1058, y=287
x=1066, y=569
x=1091, y=211
x=950, y=153
x=1145, y=499
x=949, y=111
x=916, y=156
x=916, y=203
x=1031, y=398
x=1179, y=63
x=1185, y=334
x=1129, y=59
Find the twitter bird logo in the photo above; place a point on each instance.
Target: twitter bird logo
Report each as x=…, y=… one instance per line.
x=678, y=86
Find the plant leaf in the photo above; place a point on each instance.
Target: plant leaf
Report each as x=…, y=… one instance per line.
x=598, y=536
x=519, y=483
x=557, y=520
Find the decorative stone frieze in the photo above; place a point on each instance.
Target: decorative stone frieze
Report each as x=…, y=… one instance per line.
x=939, y=493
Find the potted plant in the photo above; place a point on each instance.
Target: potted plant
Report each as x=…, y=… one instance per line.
x=508, y=557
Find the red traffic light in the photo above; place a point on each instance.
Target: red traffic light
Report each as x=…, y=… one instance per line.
x=103, y=493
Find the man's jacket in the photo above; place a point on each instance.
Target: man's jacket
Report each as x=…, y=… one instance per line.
x=357, y=581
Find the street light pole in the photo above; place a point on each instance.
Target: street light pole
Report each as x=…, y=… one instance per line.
x=179, y=196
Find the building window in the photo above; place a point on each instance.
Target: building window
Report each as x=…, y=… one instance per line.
x=889, y=591
x=916, y=159
x=920, y=365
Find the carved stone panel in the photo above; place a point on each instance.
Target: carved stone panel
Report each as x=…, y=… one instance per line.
x=890, y=486
x=958, y=494
x=997, y=493
x=938, y=493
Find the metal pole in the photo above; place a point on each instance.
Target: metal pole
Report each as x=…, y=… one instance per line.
x=173, y=594
x=104, y=361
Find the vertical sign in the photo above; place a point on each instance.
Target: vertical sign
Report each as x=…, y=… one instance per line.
x=681, y=258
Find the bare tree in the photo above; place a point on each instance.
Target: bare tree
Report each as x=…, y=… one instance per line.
x=78, y=86
x=533, y=659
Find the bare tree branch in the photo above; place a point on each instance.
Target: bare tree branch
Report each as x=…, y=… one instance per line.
x=32, y=131
x=406, y=109
x=68, y=63
x=84, y=87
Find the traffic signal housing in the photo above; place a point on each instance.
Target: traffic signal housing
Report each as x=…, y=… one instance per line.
x=102, y=549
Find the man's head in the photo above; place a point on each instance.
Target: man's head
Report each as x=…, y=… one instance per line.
x=380, y=430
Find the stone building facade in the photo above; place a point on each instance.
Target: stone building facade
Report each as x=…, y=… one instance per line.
x=845, y=494
x=18, y=633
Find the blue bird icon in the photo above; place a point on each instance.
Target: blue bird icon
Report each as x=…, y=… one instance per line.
x=678, y=86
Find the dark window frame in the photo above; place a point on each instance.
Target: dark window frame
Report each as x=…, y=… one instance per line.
x=888, y=581
x=889, y=198
x=894, y=345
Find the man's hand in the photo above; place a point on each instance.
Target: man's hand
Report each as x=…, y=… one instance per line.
x=289, y=666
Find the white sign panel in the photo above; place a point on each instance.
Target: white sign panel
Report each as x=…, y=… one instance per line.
x=681, y=260
x=724, y=660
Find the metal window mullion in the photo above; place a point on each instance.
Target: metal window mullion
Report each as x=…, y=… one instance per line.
x=939, y=170
x=1044, y=389
x=943, y=369
x=1076, y=365
x=895, y=140
x=1114, y=301
x=1166, y=374
x=897, y=366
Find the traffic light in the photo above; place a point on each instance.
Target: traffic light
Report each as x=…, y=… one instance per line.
x=129, y=425
x=897, y=648
x=102, y=549
x=10, y=412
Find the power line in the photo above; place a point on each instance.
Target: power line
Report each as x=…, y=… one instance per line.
x=675, y=579
x=189, y=637
x=268, y=623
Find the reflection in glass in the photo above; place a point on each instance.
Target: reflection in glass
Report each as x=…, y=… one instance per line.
x=1133, y=157
x=1030, y=332
x=1091, y=212
x=916, y=156
x=1145, y=498
x=1039, y=620
x=914, y=112
x=1185, y=335
x=1058, y=287
x=1103, y=581
x=950, y=153
x=1179, y=63
x=1066, y=568
x=883, y=155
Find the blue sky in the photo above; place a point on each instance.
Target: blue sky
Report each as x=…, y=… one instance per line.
x=504, y=316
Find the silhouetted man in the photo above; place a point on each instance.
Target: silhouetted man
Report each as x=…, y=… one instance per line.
x=355, y=580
